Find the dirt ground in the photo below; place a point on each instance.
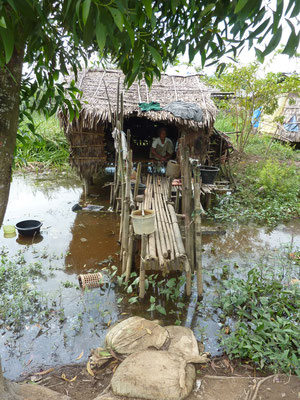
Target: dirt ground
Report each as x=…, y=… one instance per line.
x=221, y=379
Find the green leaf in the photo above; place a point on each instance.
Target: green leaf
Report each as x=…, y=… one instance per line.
x=161, y=309
x=118, y=17
x=12, y=4
x=151, y=308
x=85, y=10
x=240, y=5
x=101, y=35
x=129, y=31
x=129, y=289
x=133, y=300
x=148, y=7
x=174, y=5
x=156, y=56
x=296, y=10
x=259, y=30
x=8, y=43
x=2, y=22
x=274, y=42
x=207, y=9
x=292, y=44
x=152, y=300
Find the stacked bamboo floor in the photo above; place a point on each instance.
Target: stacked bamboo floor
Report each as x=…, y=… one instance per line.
x=165, y=250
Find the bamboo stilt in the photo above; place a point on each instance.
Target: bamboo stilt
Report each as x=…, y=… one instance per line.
x=138, y=178
x=198, y=232
x=129, y=258
x=126, y=208
x=142, y=268
x=177, y=202
x=188, y=273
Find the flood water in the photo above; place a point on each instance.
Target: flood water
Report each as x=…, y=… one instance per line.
x=72, y=243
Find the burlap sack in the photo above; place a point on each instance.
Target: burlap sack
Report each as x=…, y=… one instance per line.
x=136, y=334
x=153, y=374
x=183, y=342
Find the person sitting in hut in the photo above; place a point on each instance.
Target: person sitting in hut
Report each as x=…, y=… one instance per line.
x=162, y=147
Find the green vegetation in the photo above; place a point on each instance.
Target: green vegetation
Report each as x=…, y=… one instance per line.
x=20, y=301
x=268, y=192
x=264, y=146
x=170, y=290
x=267, y=318
x=224, y=122
x=42, y=143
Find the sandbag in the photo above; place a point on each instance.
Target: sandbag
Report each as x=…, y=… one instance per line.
x=136, y=334
x=153, y=374
x=182, y=341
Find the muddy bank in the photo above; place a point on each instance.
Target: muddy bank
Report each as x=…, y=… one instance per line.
x=71, y=243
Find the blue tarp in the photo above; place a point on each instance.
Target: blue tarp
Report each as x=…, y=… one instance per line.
x=255, y=120
x=292, y=125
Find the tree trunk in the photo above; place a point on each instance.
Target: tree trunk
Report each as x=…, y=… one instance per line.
x=10, y=82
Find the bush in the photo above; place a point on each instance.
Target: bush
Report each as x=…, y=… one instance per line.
x=267, y=193
x=278, y=178
x=267, y=318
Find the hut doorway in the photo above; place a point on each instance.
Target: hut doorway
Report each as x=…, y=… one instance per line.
x=143, y=131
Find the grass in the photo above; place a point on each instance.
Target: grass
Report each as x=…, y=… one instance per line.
x=45, y=144
x=264, y=146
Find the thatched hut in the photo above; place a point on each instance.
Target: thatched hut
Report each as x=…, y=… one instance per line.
x=90, y=135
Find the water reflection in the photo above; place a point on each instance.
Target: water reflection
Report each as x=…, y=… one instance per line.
x=27, y=241
x=94, y=239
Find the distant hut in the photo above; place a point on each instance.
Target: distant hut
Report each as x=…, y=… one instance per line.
x=284, y=123
x=90, y=138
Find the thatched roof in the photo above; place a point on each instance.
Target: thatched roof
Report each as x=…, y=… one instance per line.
x=99, y=85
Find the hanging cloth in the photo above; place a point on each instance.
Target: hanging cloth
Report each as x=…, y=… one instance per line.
x=116, y=134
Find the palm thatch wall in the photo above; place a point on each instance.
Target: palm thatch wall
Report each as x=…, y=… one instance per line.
x=88, y=135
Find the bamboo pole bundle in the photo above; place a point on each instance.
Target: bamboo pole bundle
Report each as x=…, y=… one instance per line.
x=161, y=232
x=176, y=253
x=165, y=223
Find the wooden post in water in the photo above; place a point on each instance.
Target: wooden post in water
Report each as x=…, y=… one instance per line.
x=198, y=233
x=186, y=210
x=129, y=258
x=142, y=267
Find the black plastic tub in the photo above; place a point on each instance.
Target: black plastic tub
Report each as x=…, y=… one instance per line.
x=29, y=227
x=141, y=189
x=208, y=174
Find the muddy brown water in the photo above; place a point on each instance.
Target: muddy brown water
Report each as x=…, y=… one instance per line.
x=73, y=243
